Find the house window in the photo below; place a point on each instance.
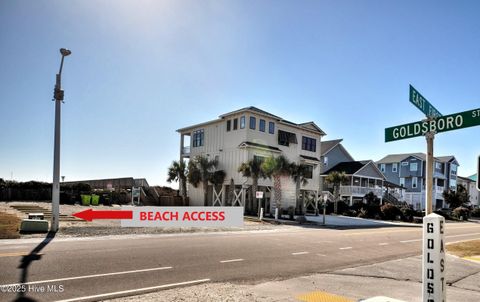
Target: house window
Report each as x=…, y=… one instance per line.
x=198, y=138
x=382, y=168
x=235, y=124
x=309, y=172
x=253, y=122
x=414, y=182
x=453, y=168
x=453, y=184
x=271, y=127
x=261, y=126
x=286, y=138
x=404, y=163
x=325, y=161
x=309, y=144
x=394, y=167
x=242, y=122
x=438, y=165
x=229, y=125
x=402, y=181
x=413, y=167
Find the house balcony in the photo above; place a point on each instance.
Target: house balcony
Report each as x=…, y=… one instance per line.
x=359, y=191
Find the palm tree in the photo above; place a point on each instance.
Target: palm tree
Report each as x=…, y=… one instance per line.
x=178, y=172
x=276, y=167
x=201, y=170
x=252, y=169
x=298, y=172
x=336, y=179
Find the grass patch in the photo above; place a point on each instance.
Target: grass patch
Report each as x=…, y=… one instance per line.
x=465, y=249
x=9, y=225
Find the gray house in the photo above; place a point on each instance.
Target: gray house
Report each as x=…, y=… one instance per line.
x=408, y=170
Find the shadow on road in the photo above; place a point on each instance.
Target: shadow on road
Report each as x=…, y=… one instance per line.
x=34, y=255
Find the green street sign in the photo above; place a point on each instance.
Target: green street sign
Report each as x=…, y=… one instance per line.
x=421, y=103
x=445, y=123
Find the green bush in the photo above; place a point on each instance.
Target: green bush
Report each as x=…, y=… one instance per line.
x=390, y=212
x=461, y=213
x=408, y=213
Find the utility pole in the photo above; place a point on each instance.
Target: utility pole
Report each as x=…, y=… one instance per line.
x=58, y=98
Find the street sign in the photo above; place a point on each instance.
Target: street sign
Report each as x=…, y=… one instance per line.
x=442, y=124
x=259, y=194
x=421, y=103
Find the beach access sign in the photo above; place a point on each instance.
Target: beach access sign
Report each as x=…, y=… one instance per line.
x=444, y=123
x=170, y=216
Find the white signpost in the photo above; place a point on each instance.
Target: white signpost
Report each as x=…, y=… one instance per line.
x=433, y=270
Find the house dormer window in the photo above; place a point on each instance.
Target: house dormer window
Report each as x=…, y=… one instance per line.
x=235, y=124
x=229, y=125
x=242, y=122
x=394, y=167
x=271, y=127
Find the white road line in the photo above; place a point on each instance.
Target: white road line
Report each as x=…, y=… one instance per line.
x=92, y=276
x=131, y=291
x=231, y=260
x=412, y=240
x=322, y=255
x=299, y=253
x=346, y=248
x=383, y=243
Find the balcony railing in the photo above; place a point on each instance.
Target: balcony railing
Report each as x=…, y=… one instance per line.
x=359, y=191
x=186, y=150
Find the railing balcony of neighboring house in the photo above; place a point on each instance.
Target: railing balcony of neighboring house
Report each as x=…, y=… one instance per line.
x=439, y=189
x=359, y=191
x=186, y=150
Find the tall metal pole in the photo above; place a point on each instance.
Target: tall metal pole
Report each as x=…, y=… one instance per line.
x=58, y=97
x=56, y=161
x=429, y=174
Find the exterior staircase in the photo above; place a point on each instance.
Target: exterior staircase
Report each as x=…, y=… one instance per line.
x=28, y=208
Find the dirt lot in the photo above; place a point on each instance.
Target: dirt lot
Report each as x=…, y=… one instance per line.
x=81, y=228
x=9, y=224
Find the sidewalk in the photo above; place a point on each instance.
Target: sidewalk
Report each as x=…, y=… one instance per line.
x=397, y=279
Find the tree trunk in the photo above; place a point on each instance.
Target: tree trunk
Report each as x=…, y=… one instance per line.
x=205, y=193
x=277, y=192
x=183, y=186
x=298, y=206
x=336, y=196
x=254, y=192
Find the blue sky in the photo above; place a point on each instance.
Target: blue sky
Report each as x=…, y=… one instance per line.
x=139, y=70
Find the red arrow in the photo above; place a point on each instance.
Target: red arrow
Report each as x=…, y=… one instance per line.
x=90, y=214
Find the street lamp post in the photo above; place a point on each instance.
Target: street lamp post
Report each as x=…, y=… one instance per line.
x=58, y=98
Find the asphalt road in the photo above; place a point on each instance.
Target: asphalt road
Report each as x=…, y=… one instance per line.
x=102, y=268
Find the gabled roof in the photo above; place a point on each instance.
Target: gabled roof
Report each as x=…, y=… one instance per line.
x=251, y=108
x=395, y=158
x=473, y=177
x=326, y=146
x=311, y=125
x=349, y=167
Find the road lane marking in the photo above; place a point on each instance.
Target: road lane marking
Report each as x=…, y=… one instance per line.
x=232, y=260
x=92, y=276
x=461, y=235
x=411, y=240
x=322, y=255
x=346, y=248
x=415, y=229
x=299, y=253
x=137, y=290
x=383, y=243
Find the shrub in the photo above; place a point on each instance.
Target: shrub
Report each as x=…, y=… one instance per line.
x=350, y=212
x=390, y=212
x=407, y=213
x=461, y=213
x=362, y=213
x=475, y=212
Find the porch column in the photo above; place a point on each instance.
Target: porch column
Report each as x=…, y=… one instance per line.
x=381, y=194
x=182, y=136
x=351, y=200
x=224, y=193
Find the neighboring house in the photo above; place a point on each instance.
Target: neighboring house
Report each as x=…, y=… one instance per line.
x=408, y=171
x=241, y=135
x=363, y=178
x=470, y=184
x=333, y=153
